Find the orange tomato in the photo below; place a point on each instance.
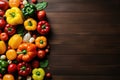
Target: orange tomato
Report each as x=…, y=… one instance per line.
x=11, y=54
x=8, y=77
x=14, y=3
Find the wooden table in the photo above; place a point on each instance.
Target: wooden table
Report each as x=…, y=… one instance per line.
x=85, y=39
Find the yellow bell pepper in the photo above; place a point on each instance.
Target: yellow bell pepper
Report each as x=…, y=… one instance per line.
x=2, y=47
x=30, y=24
x=14, y=16
x=38, y=74
x=15, y=41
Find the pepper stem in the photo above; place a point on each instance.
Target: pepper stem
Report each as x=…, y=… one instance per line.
x=38, y=73
x=43, y=26
x=23, y=68
x=24, y=51
x=29, y=23
x=12, y=14
x=41, y=41
x=9, y=29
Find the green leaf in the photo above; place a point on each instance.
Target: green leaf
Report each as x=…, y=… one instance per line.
x=44, y=63
x=41, y=5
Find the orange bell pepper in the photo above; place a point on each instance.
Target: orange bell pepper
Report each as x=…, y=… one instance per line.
x=26, y=52
x=41, y=42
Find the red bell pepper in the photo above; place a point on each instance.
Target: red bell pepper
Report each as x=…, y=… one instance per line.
x=10, y=29
x=24, y=69
x=43, y=27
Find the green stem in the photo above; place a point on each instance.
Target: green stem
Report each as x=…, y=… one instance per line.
x=23, y=68
x=38, y=73
x=41, y=41
x=29, y=23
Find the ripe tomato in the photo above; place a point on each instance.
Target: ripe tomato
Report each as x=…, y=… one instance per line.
x=4, y=36
x=8, y=77
x=41, y=15
x=2, y=23
x=12, y=68
x=41, y=54
x=35, y=63
x=4, y=5
x=48, y=75
x=34, y=1
x=2, y=13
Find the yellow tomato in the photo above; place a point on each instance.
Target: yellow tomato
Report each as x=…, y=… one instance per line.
x=11, y=54
x=8, y=77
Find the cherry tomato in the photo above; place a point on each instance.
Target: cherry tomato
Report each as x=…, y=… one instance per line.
x=35, y=63
x=34, y=1
x=4, y=5
x=41, y=54
x=2, y=23
x=41, y=15
x=4, y=36
x=2, y=13
x=8, y=77
x=12, y=68
x=48, y=75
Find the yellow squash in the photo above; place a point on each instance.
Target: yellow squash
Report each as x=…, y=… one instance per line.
x=2, y=47
x=15, y=41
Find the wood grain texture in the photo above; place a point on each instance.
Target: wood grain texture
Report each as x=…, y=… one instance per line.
x=85, y=39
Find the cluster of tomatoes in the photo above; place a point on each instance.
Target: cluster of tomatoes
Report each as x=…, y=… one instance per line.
x=24, y=43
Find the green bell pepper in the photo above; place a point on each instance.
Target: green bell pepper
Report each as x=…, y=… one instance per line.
x=3, y=66
x=28, y=10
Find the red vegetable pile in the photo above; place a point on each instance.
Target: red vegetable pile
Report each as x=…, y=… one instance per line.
x=24, y=43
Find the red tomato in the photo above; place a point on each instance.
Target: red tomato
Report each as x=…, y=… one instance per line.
x=4, y=36
x=48, y=75
x=41, y=15
x=35, y=64
x=4, y=5
x=34, y=1
x=41, y=54
x=2, y=23
x=12, y=68
x=2, y=13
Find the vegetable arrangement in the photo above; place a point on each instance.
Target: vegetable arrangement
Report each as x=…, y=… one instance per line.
x=23, y=40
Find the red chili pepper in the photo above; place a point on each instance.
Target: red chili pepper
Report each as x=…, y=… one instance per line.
x=43, y=27
x=10, y=29
x=24, y=69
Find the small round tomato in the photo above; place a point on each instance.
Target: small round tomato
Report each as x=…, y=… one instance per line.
x=48, y=75
x=12, y=68
x=11, y=54
x=2, y=13
x=35, y=63
x=41, y=15
x=8, y=77
x=4, y=36
x=2, y=23
x=41, y=54
x=34, y=1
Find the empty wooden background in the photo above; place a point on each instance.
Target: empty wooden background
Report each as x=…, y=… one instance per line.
x=85, y=39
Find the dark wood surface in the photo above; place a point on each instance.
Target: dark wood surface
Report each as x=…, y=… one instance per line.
x=85, y=39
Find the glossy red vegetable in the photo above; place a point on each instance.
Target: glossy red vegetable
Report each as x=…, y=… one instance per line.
x=2, y=13
x=4, y=5
x=35, y=63
x=12, y=68
x=43, y=27
x=41, y=54
x=2, y=23
x=24, y=69
x=10, y=29
x=4, y=36
x=41, y=15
